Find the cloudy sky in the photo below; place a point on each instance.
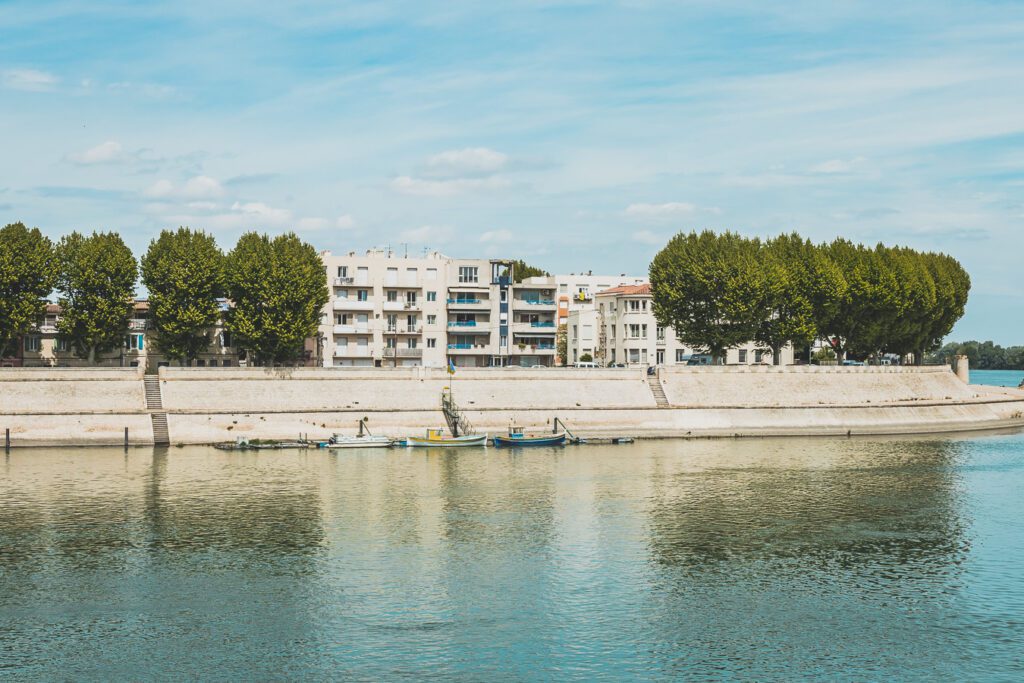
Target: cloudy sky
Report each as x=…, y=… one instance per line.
x=577, y=135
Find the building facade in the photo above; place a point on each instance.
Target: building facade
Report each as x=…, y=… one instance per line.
x=621, y=330
x=45, y=348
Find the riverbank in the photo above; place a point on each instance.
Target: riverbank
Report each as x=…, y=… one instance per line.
x=203, y=405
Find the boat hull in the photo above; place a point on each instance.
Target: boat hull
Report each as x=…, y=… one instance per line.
x=448, y=441
x=360, y=442
x=529, y=441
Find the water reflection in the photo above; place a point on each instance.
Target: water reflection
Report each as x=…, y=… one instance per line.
x=835, y=559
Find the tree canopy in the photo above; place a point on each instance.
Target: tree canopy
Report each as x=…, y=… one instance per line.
x=278, y=287
x=96, y=280
x=184, y=273
x=722, y=290
x=28, y=272
x=984, y=355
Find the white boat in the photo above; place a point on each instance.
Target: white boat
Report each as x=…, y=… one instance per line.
x=361, y=441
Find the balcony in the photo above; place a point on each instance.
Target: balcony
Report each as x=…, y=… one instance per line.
x=532, y=350
x=137, y=324
x=403, y=353
x=351, y=329
x=471, y=325
x=342, y=281
x=401, y=305
x=403, y=283
x=352, y=352
x=544, y=328
x=534, y=304
x=468, y=348
x=474, y=304
x=404, y=329
x=352, y=305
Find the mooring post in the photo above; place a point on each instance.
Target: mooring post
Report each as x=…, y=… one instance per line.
x=7, y=440
x=126, y=438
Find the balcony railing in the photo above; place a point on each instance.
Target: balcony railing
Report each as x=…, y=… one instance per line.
x=462, y=323
x=408, y=353
x=403, y=329
x=351, y=352
x=351, y=329
x=537, y=302
x=352, y=305
x=464, y=347
x=138, y=324
x=542, y=324
x=340, y=281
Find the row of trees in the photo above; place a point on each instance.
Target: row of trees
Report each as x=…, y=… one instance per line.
x=277, y=287
x=984, y=355
x=722, y=290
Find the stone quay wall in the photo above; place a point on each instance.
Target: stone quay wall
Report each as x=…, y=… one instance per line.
x=205, y=405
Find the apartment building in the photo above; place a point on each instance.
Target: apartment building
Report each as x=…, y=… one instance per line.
x=622, y=329
x=44, y=347
x=576, y=291
x=391, y=311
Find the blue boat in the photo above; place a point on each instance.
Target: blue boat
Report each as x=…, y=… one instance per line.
x=517, y=439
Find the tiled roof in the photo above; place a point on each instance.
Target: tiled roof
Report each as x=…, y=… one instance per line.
x=629, y=289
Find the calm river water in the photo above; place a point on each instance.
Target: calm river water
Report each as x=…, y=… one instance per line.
x=772, y=559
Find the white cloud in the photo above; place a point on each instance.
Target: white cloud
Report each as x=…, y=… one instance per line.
x=660, y=211
x=313, y=223
x=198, y=187
x=648, y=237
x=497, y=236
x=202, y=206
x=263, y=214
x=468, y=161
x=427, y=234
x=345, y=222
x=444, y=188
x=28, y=79
x=161, y=188
x=202, y=186
x=837, y=165
x=103, y=153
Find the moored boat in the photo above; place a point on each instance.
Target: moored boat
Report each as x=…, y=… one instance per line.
x=359, y=441
x=435, y=438
x=517, y=439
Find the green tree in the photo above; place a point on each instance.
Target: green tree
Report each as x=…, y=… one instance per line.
x=28, y=273
x=521, y=270
x=184, y=273
x=713, y=289
x=96, y=280
x=278, y=288
x=562, y=344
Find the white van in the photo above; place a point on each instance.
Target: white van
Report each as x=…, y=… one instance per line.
x=580, y=364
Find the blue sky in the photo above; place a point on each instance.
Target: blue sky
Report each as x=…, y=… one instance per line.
x=578, y=135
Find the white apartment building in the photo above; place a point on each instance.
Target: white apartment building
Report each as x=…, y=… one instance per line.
x=386, y=311
x=622, y=329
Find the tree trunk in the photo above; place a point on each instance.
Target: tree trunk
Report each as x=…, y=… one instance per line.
x=776, y=355
x=92, y=355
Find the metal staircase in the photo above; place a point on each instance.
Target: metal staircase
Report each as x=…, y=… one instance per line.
x=659, y=392
x=458, y=425
x=155, y=406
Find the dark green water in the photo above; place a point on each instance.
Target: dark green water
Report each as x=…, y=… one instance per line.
x=757, y=559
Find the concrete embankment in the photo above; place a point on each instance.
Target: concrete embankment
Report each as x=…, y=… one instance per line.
x=204, y=405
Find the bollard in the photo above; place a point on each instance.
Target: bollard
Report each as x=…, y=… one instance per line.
x=126, y=438
x=7, y=440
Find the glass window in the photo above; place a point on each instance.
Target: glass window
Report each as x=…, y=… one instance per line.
x=431, y=343
x=743, y=355
x=392, y=295
x=468, y=274
x=361, y=295
x=431, y=296
x=431, y=273
x=33, y=343
x=342, y=271
x=431, y=319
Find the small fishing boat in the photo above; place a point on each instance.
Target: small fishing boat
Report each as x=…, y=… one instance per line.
x=364, y=439
x=436, y=438
x=517, y=439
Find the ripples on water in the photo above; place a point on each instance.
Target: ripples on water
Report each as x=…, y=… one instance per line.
x=757, y=559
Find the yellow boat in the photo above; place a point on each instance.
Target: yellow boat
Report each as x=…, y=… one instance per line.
x=436, y=439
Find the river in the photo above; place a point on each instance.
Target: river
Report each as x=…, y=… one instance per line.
x=766, y=559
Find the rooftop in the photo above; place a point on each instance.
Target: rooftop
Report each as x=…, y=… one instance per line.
x=628, y=289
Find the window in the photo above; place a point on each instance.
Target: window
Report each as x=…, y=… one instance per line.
x=392, y=320
x=342, y=271
x=504, y=296
x=634, y=355
x=743, y=355
x=411, y=343
x=226, y=363
x=61, y=344
x=135, y=342
x=410, y=298
x=431, y=343
x=362, y=275
x=391, y=342
x=575, y=332
x=634, y=305
x=200, y=363
x=391, y=278
x=660, y=332
x=431, y=296
x=213, y=363
x=392, y=295
x=225, y=339
x=634, y=331
x=643, y=331
x=588, y=333
x=680, y=355
x=341, y=294
x=758, y=356
x=431, y=319
x=563, y=289
x=410, y=323
x=431, y=273
x=468, y=274
x=33, y=343
x=503, y=342
x=361, y=295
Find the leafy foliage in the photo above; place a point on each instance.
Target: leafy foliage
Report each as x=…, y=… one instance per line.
x=278, y=287
x=28, y=271
x=97, y=283
x=184, y=273
x=562, y=343
x=984, y=355
x=521, y=270
x=722, y=290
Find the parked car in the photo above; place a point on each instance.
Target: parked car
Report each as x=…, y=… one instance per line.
x=853, y=362
x=584, y=364
x=699, y=359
